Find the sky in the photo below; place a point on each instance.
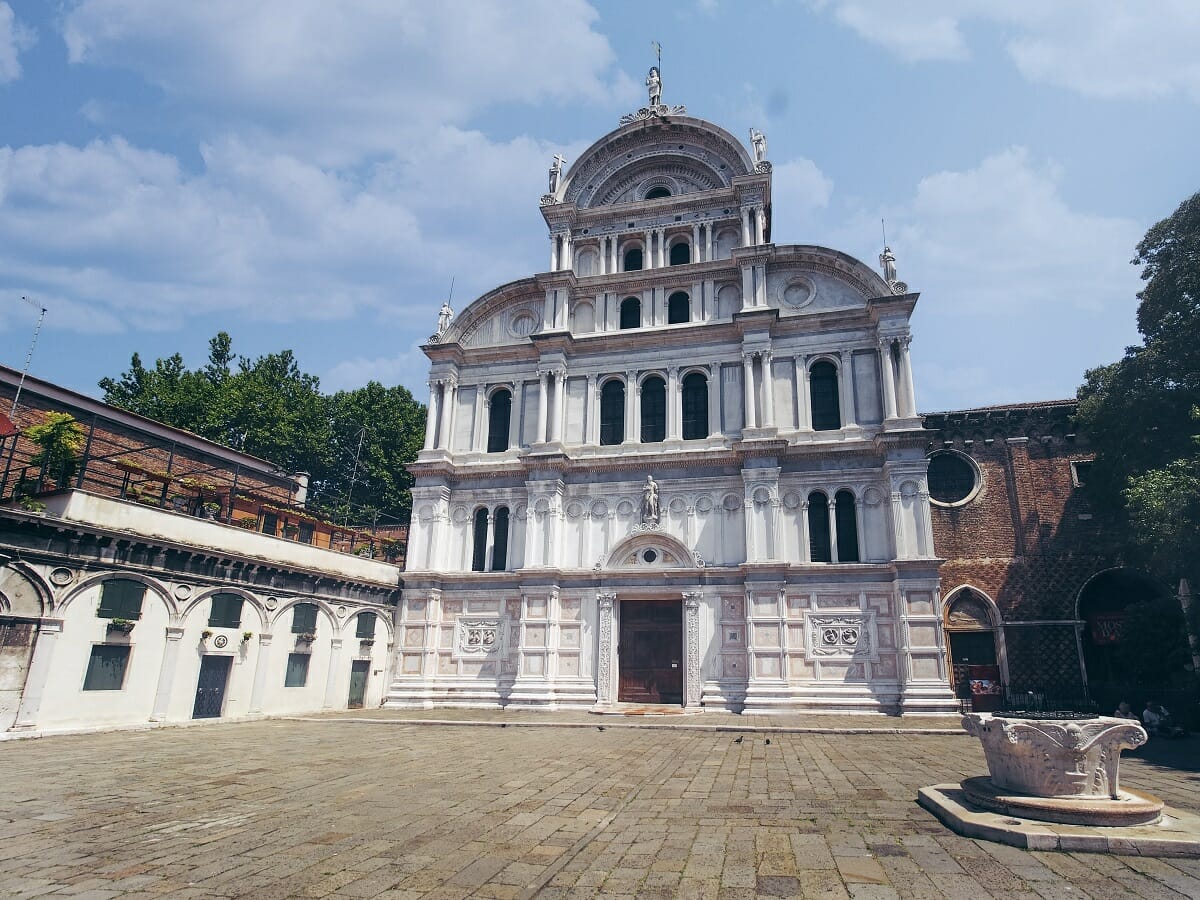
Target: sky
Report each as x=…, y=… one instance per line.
x=313, y=175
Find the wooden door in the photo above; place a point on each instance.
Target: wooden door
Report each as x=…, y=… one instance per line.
x=210, y=687
x=358, y=683
x=650, y=654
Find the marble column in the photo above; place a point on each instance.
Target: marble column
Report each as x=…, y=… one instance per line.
x=166, y=674
x=630, y=402
x=833, y=541
x=543, y=398
x=482, y=408
x=862, y=531
x=260, y=673
x=768, y=380
x=605, y=603
x=692, y=684
x=515, y=413
x=556, y=416
x=846, y=385
x=750, y=420
x=803, y=400
x=745, y=226
x=554, y=253
x=674, y=404
x=636, y=437
x=887, y=374
x=662, y=248
x=906, y=375
x=446, y=425
x=648, y=255
x=489, y=541
x=431, y=415
x=593, y=411
x=760, y=225
x=805, y=548
x=695, y=254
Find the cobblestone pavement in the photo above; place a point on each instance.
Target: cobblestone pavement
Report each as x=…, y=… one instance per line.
x=334, y=808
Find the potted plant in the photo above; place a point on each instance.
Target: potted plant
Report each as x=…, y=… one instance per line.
x=122, y=625
x=59, y=439
x=247, y=522
x=205, y=635
x=211, y=510
x=290, y=531
x=246, y=636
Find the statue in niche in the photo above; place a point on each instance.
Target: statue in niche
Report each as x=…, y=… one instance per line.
x=556, y=172
x=654, y=86
x=758, y=141
x=650, y=501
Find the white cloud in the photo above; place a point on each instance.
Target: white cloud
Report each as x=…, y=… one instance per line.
x=14, y=37
x=1021, y=292
x=1100, y=48
x=351, y=79
x=798, y=189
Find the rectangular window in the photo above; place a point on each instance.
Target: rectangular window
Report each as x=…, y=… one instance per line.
x=1080, y=470
x=304, y=619
x=270, y=524
x=106, y=668
x=366, y=625
x=121, y=598
x=226, y=611
x=297, y=670
x=306, y=533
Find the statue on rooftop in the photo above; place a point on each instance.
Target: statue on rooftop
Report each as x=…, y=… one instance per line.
x=887, y=262
x=758, y=141
x=654, y=86
x=556, y=172
x=445, y=314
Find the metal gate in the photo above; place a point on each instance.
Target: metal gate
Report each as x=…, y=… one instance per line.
x=210, y=687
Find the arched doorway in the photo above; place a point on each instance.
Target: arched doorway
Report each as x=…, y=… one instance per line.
x=975, y=642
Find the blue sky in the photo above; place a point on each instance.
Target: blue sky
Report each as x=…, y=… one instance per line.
x=311, y=175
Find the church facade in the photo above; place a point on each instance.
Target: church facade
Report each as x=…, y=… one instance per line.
x=683, y=466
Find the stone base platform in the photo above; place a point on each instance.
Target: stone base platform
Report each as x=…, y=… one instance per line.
x=1177, y=833
x=1131, y=808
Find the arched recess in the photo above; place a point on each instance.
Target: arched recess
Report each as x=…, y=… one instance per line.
x=23, y=593
x=153, y=588
x=632, y=258
x=281, y=624
x=974, y=636
x=694, y=402
x=631, y=313
x=679, y=308
x=826, y=412
x=680, y=253
x=499, y=420
x=650, y=550
x=653, y=399
x=250, y=603
x=583, y=318
x=612, y=412
x=1132, y=635
x=587, y=262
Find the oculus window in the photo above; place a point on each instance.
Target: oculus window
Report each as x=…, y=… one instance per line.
x=953, y=477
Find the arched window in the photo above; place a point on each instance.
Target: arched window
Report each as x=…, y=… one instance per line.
x=658, y=193
x=631, y=312
x=823, y=388
x=479, y=551
x=499, y=416
x=681, y=254
x=847, y=527
x=654, y=410
x=679, y=307
x=500, y=540
x=633, y=259
x=612, y=412
x=695, y=407
x=819, y=546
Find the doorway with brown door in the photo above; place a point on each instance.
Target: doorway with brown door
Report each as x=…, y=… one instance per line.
x=650, y=654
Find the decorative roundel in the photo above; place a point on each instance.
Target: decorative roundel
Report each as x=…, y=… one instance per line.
x=761, y=495
x=425, y=512
x=800, y=291
x=460, y=514
x=704, y=503
x=62, y=576
x=574, y=509
x=650, y=555
x=341, y=612
x=183, y=591
x=523, y=324
x=731, y=502
x=872, y=496
x=271, y=603
x=676, y=505
x=625, y=508
x=954, y=478
x=791, y=499
x=599, y=509
x=220, y=642
x=522, y=511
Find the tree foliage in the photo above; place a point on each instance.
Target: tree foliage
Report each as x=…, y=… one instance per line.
x=59, y=439
x=268, y=407
x=1141, y=411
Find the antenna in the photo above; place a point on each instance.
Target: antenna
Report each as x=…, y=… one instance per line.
x=451, y=297
x=658, y=55
x=28, y=356
x=883, y=225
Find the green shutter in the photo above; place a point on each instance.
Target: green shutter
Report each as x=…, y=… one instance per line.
x=226, y=611
x=106, y=668
x=366, y=625
x=297, y=670
x=121, y=598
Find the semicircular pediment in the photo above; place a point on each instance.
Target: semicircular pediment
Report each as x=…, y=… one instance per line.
x=650, y=548
x=702, y=155
x=506, y=315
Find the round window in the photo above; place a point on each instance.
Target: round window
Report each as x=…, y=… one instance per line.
x=953, y=478
x=650, y=556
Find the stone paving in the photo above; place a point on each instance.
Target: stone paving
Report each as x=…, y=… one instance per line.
x=349, y=809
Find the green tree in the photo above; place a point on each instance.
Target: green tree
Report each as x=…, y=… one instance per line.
x=1140, y=411
x=59, y=439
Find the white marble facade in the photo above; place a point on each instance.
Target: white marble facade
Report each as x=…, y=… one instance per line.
x=765, y=387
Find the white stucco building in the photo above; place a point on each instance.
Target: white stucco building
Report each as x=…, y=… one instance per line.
x=785, y=559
